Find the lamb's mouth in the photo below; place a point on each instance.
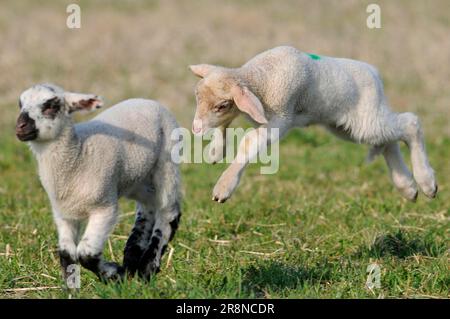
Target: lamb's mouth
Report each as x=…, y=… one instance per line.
x=27, y=136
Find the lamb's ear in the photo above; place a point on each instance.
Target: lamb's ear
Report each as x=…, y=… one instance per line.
x=247, y=102
x=82, y=102
x=201, y=70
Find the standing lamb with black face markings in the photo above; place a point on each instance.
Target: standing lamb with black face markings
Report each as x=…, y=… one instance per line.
x=85, y=168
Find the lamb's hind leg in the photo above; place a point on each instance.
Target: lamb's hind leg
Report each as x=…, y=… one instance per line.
x=400, y=175
x=139, y=238
x=167, y=217
x=166, y=224
x=411, y=134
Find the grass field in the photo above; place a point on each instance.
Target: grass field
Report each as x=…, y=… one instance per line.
x=311, y=230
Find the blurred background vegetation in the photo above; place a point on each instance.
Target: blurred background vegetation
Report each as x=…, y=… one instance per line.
x=142, y=48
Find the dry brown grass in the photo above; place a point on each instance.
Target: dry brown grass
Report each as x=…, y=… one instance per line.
x=142, y=48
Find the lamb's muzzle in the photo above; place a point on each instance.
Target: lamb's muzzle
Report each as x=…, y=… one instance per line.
x=26, y=128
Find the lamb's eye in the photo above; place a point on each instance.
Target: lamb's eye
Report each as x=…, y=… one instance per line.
x=51, y=107
x=222, y=106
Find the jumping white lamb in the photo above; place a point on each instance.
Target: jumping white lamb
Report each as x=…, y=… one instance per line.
x=285, y=88
x=85, y=168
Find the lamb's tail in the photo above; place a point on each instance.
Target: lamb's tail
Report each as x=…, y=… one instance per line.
x=167, y=174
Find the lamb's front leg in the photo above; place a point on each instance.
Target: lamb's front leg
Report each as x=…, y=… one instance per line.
x=67, y=248
x=216, y=149
x=253, y=142
x=90, y=249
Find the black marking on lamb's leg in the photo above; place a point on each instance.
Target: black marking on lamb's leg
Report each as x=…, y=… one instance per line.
x=132, y=253
x=136, y=243
x=65, y=260
x=163, y=250
x=91, y=262
x=105, y=271
x=158, y=233
x=111, y=271
x=148, y=264
x=175, y=222
x=151, y=259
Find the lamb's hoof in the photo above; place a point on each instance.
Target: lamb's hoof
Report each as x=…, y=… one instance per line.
x=215, y=160
x=225, y=187
x=410, y=194
x=148, y=271
x=219, y=200
x=429, y=188
x=432, y=193
x=414, y=198
x=427, y=183
x=111, y=272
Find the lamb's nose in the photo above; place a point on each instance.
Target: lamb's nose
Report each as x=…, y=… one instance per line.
x=23, y=121
x=21, y=125
x=196, y=126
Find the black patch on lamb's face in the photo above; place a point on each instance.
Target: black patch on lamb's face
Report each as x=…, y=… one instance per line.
x=51, y=107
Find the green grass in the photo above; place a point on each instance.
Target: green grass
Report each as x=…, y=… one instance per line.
x=309, y=231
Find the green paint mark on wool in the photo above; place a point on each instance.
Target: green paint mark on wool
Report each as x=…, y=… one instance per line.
x=314, y=56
